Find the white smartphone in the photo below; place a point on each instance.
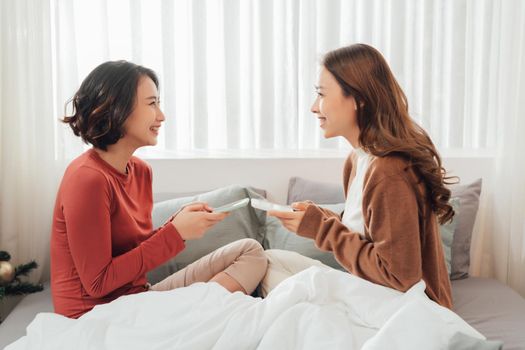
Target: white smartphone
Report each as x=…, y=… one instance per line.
x=232, y=206
x=265, y=205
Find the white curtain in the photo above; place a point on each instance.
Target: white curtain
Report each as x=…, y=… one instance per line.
x=501, y=250
x=29, y=172
x=239, y=75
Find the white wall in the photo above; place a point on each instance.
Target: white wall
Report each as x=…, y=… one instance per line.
x=273, y=174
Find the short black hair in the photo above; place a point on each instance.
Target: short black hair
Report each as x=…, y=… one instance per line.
x=105, y=100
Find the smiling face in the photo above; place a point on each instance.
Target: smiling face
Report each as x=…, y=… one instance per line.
x=142, y=125
x=336, y=112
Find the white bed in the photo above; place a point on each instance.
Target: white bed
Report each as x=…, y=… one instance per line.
x=314, y=309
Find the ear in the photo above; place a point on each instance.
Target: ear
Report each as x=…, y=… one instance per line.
x=361, y=104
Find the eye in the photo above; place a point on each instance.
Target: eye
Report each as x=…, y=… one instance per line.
x=319, y=94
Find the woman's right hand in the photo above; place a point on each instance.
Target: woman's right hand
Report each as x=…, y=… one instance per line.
x=195, y=219
x=291, y=220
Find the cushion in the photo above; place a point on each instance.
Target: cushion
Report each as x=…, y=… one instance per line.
x=241, y=223
x=278, y=237
x=301, y=189
x=163, y=196
x=447, y=233
x=468, y=196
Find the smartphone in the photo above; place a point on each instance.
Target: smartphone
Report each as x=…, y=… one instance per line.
x=265, y=205
x=232, y=206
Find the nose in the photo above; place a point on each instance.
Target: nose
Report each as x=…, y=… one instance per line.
x=160, y=115
x=315, y=106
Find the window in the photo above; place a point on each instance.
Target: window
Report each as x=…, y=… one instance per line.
x=239, y=74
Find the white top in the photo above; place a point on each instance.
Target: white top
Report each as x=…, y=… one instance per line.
x=353, y=215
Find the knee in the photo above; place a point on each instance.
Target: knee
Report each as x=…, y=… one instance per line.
x=254, y=249
x=250, y=245
x=279, y=257
x=276, y=254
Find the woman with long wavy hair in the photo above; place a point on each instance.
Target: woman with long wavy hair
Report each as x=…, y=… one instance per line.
x=394, y=181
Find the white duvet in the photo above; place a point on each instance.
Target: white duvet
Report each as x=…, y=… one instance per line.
x=316, y=309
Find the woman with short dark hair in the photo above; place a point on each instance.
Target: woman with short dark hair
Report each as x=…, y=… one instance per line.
x=103, y=242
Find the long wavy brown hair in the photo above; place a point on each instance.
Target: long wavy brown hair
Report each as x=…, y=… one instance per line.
x=386, y=127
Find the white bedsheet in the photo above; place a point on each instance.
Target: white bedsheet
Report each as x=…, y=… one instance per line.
x=315, y=309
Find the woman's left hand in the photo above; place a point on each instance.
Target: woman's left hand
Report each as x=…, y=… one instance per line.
x=291, y=220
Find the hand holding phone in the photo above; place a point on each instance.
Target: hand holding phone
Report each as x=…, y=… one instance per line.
x=290, y=216
x=267, y=206
x=194, y=219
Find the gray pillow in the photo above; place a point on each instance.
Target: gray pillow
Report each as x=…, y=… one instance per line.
x=164, y=196
x=468, y=195
x=447, y=233
x=278, y=237
x=300, y=189
x=241, y=223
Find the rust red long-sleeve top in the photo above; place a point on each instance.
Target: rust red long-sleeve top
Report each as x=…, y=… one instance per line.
x=102, y=241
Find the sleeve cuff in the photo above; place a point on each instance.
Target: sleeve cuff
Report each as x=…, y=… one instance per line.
x=173, y=236
x=312, y=219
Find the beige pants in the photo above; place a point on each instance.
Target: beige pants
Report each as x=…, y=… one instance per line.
x=243, y=260
x=283, y=264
